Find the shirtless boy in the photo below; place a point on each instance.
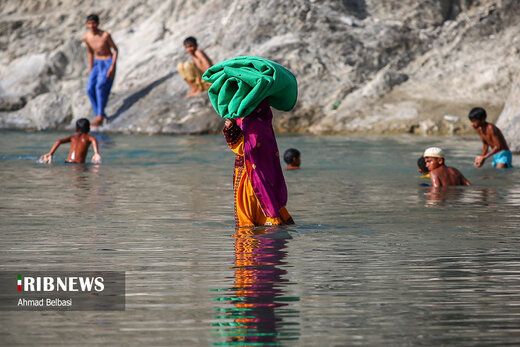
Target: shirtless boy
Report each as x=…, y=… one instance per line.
x=440, y=174
x=192, y=72
x=491, y=137
x=102, y=57
x=79, y=145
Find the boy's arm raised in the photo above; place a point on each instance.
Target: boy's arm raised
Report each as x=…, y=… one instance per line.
x=47, y=158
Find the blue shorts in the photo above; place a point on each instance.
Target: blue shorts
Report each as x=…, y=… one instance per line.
x=503, y=157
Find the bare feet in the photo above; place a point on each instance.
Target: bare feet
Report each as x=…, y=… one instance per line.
x=98, y=121
x=193, y=93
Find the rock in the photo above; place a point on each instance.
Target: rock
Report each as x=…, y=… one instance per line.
x=428, y=127
x=21, y=80
x=451, y=118
x=509, y=120
x=46, y=111
x=12, y=102
x=362, y=65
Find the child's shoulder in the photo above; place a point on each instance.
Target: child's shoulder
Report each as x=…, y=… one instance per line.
x=491, y=126
x=75, y=136
x=81, y=136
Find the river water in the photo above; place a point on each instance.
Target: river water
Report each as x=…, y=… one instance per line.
x=374, y=259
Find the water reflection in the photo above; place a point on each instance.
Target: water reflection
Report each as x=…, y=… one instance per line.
x=80, y=175
x=438, y=195
x=486, y=197
x=256, y=306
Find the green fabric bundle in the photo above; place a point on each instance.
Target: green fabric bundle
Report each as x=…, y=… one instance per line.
x=240, y=84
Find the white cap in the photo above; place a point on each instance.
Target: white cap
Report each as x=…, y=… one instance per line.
x=434, y=152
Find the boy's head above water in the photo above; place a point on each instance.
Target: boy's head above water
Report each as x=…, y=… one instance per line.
x=421, y=163
x=292, y=157
x=477, y=113
x=433, y=152
x=83, y=125
x=434, y=158
x=477, y=116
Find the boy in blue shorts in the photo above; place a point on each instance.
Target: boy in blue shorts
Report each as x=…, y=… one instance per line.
x=491, y=138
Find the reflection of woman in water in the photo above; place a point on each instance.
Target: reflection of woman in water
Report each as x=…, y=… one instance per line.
x=258, y=291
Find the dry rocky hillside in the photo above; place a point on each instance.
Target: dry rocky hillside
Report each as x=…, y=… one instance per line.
x=369, y=66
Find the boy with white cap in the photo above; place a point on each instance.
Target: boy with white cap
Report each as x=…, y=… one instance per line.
x=440, y=174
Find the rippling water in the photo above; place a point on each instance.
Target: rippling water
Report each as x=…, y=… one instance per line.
x=374, y=259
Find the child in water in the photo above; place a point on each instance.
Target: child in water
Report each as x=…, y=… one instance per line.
x=423, y=170
x=491, y=137
x=292, y=158
x=79, y=145
x=440, y=174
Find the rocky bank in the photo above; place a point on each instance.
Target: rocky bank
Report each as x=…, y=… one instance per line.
x=368, y=66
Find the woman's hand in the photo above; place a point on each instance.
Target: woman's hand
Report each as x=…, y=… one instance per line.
x=229, y=123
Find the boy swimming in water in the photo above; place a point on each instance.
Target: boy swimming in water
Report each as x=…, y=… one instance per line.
x=292, y=158
x=491, y=137
x=79, y=145
x=440, y=174
x=422, y=169
x=192, y=72
x=102, y=56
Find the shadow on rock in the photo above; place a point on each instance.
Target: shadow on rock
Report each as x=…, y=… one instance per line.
x=132, y=99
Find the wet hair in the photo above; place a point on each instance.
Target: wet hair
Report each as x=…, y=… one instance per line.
x=421, y=163
x=83, y=125
x=290, y=154
x=93, y=17
x=477, y=113
x=191, y=40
